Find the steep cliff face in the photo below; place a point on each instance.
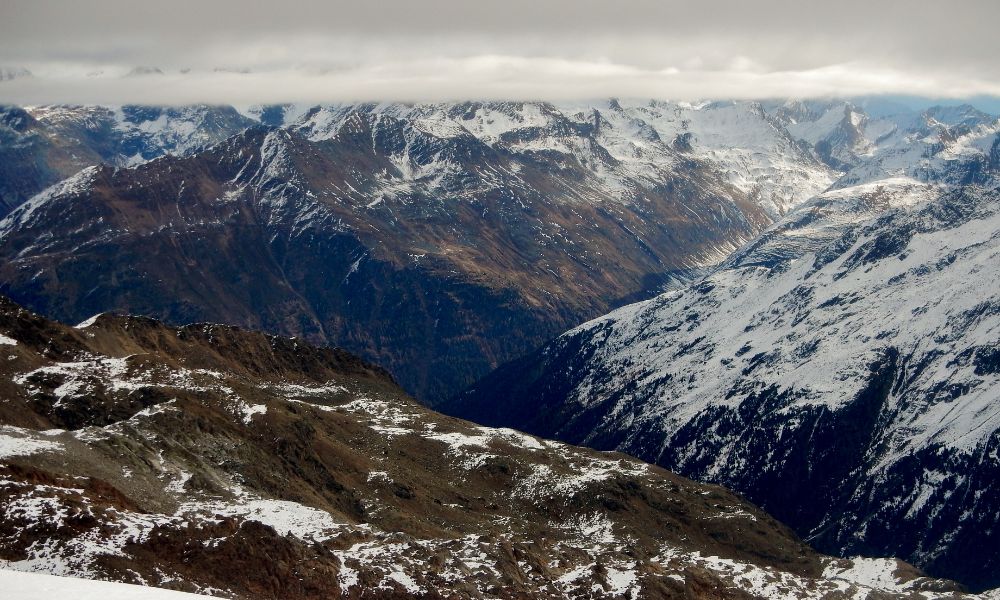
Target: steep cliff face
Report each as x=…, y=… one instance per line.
x=416, y=244
x=210, y=459
x=838, y=370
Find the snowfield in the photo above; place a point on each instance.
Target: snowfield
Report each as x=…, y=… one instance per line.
x=18, y=585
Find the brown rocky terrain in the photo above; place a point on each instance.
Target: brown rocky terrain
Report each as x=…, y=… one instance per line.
x=210, y=459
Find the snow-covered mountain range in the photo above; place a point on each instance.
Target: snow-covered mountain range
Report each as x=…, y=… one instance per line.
x=624, y=142
x=440, y=240
x=780, y=152
x=841, y=369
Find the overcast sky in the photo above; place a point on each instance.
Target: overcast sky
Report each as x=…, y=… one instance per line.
x=310, y=50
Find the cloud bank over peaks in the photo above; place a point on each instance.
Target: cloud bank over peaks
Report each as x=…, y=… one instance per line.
x=111, y=51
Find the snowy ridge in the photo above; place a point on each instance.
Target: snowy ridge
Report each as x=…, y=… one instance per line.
x=889, y=300
x=779, y=153
x=41, y=145
x=928, y=150
x=637, y=140
x=774, y=152
x=23, y=214
x=141, y=133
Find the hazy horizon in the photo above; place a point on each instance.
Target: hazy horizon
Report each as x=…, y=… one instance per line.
x=225, y=52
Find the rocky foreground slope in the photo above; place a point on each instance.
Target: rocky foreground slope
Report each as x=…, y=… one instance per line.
x=841, y=370
x=209, y=459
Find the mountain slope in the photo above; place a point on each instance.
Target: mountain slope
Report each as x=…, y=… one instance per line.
x=417, y=245
x=42, y=145
x=848, y=353
x=440, y=240
x=205, y=458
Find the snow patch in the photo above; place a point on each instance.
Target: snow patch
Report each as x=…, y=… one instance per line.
x=15, y=441
x=18, y=585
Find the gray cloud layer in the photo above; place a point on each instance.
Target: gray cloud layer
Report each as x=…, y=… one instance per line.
x=312, y=50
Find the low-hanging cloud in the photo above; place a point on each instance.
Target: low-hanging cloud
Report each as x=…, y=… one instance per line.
x=310, y=51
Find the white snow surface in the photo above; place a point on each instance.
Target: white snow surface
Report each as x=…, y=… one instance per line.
x=88, y=322
x=15, y=441
x=19, y=585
